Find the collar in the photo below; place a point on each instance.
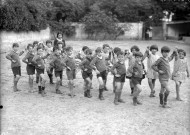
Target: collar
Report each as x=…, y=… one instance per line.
x=99, y=57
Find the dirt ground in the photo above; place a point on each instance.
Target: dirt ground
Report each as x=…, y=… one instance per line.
x=31, y=114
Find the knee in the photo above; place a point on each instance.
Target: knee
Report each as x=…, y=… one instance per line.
x=58, y=79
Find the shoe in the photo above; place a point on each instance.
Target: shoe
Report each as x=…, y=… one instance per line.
x=88, y=94
x=43, y=93
x=58, y=91
x=121, y=101
x=85, y=94
x=138, y=102
x=116, y=98
x=39, y=89
x=134, y=101
x=105, y=89
x=152, y=95
x=161, y=99
x=101, y=94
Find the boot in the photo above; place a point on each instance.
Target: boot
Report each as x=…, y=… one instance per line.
x=116, y=98
x=85, y=93
x=88, y=94
x=152, y=94
x=119, y=98
x=165, y=100
x=51, y=78
x=39, y=89
x=101, y=94
x=134, y=101
x=58, y=91
x=138, y=102
x=132, y=89
x=37, y=79
x=43, y=91
x=161, y=99
x=105, y=88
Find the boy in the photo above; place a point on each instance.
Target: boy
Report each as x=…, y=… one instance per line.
x=13, y=56
x=87, y=72
x=162, y=66
x=99, y=65
x=151, y=74
x=119, y=72
x=137, y=71
x=57, y=64
x=70, y=69
x=38, y=60
x=30, y=68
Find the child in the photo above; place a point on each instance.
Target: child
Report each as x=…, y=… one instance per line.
x=137, y=71
x=180, y=71
x=38, y=60
x=13, y=56
x=35, y=44
x=70, y=69
x=99, y=65
x=151, y=74
x=131, y=59
x=30, y=68
x=87, y=72
x=119, y=72
x=162, y=66
x=49, y=49
x=59, y=39
x=57, y=64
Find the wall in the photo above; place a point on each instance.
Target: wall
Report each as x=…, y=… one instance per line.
x=157, y=33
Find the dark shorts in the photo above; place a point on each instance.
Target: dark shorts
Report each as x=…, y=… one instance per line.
x=58, y=74
x=120, y=79
x=103, y=75
x=136, y=80
x=39, y=71
x=30, y=69
x=16, y=71
x=87, y=75
x=71, y=74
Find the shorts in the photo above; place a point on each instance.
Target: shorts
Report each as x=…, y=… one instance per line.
x=71, y=74
x=16, y=71
x=103, y=74
x=58, y=74
x=136, y=80
x=120, y=79
x=87, y=75
x=30, y=69
x=39, y=71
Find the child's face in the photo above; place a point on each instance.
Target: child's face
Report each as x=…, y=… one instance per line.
x=40, y=52
x=120, y=58
x=153, y=51
x=106, y=49
x=99, y=54
x=60, y=36
x=70, y=52
x=133, y=51
x=35, y=45
x=181, y=55
x=49, y=45
x=138, y=58
x=57, y=52
x=15, y=48
x=165, y=54
x=89, y=55
x=30, y=49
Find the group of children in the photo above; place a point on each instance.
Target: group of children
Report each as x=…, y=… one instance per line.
x=59, y=57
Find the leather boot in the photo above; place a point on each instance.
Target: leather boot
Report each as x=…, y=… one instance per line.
x=134, y=101
x=165, y=100
x=161, y=99
x=101, y=94
x=39, y=89
x=88, y=94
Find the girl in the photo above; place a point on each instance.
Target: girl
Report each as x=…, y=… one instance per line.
x=60, y=39
x=180, y=71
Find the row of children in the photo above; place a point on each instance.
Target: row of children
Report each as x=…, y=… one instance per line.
x=104, y=60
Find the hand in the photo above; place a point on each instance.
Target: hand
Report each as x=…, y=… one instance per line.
x=85, y=69
x=161, y=72
x=97, y=72
x=39, y=65
x=117, y=75
x=29, y=63
x=13, y=61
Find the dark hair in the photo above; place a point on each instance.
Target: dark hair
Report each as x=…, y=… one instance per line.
x=69, y=48
x=88, y=51
x=99, y=49
x=55, y=48
x=138, y=54
x=84, y=48
x=153, y=47
x=15, y=45
x=120, y=53
x=181, y=50
x=30, y=45
x=59, y=33
x=135, y=47
x=165, y=49
x=105, y=45
x=116, y=49
x=48, y=41
x=35, y=42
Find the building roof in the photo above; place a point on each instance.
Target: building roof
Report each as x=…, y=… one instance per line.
x=178, y=22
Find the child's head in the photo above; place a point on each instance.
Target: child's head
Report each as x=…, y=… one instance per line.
x=39, y=50
x=99, y=51
x=88, y=53
x=106, y=48
x=35, y=43
x=69, y=50
x=181, y=53
x=56, y=51
x=116, y=50
x=15, y=46
x=41, y=45
x=165, y=51
x=138, y=56
x=153, y=49
x=84, y=48
x=135, y=49
x=59, y=35
x=120, y=56
x=49, y=43
x=30, y=47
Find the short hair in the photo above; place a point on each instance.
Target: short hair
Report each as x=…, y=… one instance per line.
x=105, y=45
x=48, y=41
x=30, y=45
x=55, y=48
x=59, y=33
x=181, y=50
x=165, y=49
x=84, y=48
x=153, y=47
x=120, y=53
x=35, y=42
x=15, y=45
x=135, y=47
x=88, y=51
x=98, y=50
x=138, y=54
x=116, y=49
x=69, y=48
